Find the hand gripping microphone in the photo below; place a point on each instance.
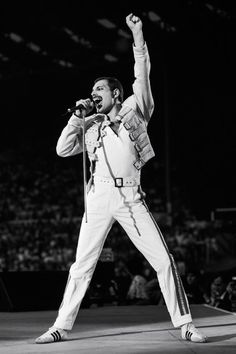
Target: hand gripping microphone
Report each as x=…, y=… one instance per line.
x=81, y=106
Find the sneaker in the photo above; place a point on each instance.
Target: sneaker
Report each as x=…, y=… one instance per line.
x=191, y=333
x=52, y=335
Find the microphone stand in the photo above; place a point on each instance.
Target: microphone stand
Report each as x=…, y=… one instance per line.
x=83, y=112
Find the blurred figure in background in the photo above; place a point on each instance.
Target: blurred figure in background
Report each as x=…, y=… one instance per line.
x=218, y=293
x=194, y=291
x=121, y=281
x=223, y=294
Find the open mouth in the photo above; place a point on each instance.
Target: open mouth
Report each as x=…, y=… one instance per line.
x=97, y=101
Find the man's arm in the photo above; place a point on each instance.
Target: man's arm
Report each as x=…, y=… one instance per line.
x=70, y=141
x=141, y=86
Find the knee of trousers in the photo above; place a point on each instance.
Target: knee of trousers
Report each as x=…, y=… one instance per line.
x=80, y=272
x=164, y=265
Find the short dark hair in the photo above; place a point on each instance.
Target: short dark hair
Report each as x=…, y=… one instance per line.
x=113, y=83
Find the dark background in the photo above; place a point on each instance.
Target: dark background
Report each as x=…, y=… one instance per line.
x=192, y=49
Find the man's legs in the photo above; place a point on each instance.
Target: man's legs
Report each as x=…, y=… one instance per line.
x=148, y=239
x=91, y=240
x=142, y=229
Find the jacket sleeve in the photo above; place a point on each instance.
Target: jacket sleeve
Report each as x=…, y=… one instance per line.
x=70, y=141
x=141, y=86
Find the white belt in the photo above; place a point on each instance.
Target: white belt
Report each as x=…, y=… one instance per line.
x=119, y=181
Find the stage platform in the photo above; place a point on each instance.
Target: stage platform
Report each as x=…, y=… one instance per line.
x=119, y=329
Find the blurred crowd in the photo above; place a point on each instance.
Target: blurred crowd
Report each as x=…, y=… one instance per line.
x=41, y=204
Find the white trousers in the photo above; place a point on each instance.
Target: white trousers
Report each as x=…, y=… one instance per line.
x=105, y=204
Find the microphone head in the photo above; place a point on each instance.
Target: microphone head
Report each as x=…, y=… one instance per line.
x=82, y=106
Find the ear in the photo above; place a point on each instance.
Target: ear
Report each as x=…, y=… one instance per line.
x=116, y=93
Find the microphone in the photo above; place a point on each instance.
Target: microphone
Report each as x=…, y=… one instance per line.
x=80, y=106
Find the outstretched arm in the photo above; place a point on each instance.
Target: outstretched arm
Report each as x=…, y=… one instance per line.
x=141, y=86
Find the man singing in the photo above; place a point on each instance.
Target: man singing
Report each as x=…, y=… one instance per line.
x=118, y=147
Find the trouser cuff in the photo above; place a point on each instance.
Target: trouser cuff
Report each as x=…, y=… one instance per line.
x=183, y=320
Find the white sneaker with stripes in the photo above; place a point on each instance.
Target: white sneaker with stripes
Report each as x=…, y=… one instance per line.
x=52, y=335
x=191, y=333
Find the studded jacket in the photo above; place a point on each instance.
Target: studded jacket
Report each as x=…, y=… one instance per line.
x=135, y=114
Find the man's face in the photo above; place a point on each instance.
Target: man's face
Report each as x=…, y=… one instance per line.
x=102, y=96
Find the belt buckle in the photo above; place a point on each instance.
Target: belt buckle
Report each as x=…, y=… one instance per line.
x=119, y=182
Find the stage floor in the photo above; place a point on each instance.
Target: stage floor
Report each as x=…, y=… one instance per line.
x=119, y=329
